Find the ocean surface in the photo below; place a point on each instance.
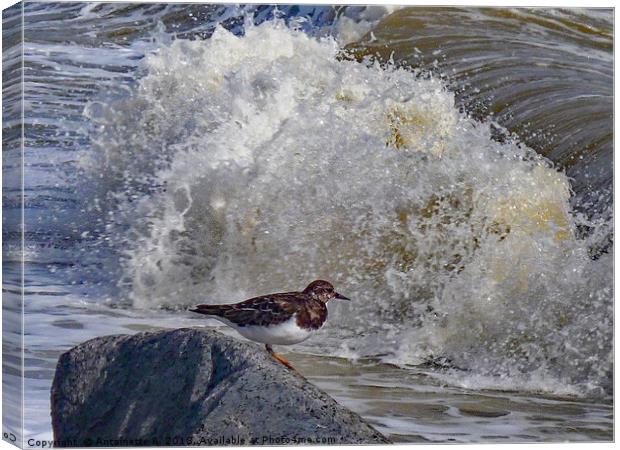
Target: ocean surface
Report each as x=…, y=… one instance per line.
x=450, y=170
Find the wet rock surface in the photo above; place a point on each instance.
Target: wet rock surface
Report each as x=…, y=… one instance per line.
x=191, y=387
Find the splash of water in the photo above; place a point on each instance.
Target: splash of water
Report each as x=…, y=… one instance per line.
x=244, y=165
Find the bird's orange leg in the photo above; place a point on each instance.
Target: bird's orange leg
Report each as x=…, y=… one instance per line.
x=280, y=359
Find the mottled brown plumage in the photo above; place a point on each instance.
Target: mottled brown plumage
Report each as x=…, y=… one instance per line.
x=271, y=310
x=283, y=318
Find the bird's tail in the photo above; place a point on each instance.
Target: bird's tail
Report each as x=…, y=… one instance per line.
x=211, y=310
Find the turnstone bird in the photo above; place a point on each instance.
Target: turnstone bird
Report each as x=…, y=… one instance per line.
x=285, y=318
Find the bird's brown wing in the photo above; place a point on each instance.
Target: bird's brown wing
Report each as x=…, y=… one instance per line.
x=266, y=310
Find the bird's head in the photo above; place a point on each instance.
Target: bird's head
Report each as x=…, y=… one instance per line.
x=323, y=291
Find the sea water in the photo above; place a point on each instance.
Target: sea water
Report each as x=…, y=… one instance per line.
x=171, y=161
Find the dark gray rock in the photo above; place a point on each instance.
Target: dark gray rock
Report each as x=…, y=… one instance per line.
x=191, y=387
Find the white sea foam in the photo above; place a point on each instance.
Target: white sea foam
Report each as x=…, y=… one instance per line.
x=245, y=165
x=356, y=21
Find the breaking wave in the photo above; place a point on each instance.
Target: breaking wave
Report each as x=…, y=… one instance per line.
x=244, y=165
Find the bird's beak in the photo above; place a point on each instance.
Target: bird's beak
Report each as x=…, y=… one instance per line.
x=341, y=297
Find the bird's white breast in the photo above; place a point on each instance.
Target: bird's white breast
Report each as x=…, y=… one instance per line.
x=285, y=333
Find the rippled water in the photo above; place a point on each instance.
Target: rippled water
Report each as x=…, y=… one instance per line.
x=169, y=163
